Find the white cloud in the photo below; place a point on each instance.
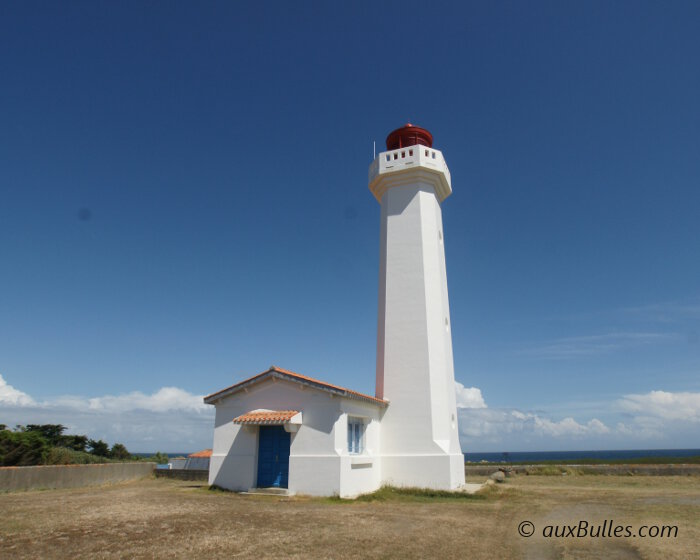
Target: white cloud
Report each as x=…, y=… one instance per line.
x=11, y=396
x=666, y=312
x=657, y=419
x=170, y=419
x=663, y=405
x=164, y=400
x=469, y=397
x=492, y=424
x=642, y=429
x=479, y=423
x=596, y=426
x=577, y=346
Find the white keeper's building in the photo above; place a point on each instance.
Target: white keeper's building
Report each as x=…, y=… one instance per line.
x=280, y=429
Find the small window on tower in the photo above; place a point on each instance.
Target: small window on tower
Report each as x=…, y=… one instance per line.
x=410, y=152
x=388, y=157
x=403, y=154
x=426, y=153
x=433, y=155
x=396, y=156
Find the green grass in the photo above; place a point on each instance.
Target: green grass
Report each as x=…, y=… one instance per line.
x=551, y=470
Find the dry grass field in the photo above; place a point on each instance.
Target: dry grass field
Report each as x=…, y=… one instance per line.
x=162, y=518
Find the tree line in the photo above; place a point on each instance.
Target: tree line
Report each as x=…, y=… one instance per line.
x=47, y=444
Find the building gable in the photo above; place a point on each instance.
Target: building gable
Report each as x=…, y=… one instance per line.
x=278, y=373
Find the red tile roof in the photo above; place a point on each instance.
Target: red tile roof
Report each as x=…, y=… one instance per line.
x=265, y=417
x=280, y=373
x=201, y=454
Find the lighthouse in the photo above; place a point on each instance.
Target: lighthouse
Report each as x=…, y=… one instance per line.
x=419, y=443
x=279, y=431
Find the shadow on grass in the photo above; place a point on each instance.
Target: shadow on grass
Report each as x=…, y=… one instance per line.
x=219, y=489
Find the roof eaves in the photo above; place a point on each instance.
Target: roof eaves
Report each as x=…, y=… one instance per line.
x=279, y=373
x=230, y=390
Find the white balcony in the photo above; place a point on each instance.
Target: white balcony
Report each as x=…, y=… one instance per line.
x=403, y=160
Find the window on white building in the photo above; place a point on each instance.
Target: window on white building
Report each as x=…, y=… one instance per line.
x=356, y=435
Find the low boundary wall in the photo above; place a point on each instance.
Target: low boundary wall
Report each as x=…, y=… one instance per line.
x=70, y=476
x=183, y=474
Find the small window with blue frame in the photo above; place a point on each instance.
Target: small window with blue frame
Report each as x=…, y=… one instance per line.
x=356, y=435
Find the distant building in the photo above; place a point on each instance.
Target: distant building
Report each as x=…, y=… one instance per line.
x=177, y=462
x=199, y=460
x=285, y=430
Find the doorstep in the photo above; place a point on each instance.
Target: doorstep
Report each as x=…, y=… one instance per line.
x=272, y=491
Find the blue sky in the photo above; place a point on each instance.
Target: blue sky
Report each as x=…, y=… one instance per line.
x=183, y=202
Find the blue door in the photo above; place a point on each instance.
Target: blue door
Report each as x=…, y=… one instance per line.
x=273, y=457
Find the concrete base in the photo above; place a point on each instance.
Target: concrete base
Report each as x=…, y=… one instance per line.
x=471, y=488
x=436, y=471
x=268, y=491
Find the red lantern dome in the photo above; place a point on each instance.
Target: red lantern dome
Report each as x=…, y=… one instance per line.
x=408, y=135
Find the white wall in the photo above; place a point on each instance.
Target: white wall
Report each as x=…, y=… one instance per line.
x=361, y=473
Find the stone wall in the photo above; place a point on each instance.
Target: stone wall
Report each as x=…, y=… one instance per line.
x=70, y=476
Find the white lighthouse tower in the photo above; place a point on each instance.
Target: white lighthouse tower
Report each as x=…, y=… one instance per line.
x=419, y=439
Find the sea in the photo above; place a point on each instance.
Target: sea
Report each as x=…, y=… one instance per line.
x=610, y=454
